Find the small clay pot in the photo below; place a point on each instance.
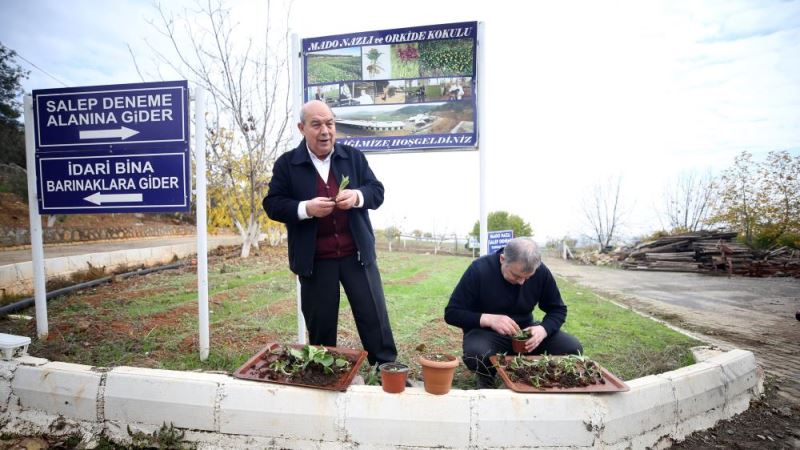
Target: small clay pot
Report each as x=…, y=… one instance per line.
x=438, y=374
x=393, y=377
x=518, y=345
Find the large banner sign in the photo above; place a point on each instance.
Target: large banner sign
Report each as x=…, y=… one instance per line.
x=397, y=90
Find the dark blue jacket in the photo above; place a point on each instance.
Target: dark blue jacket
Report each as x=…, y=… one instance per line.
x=482, y=289
x=294, y=179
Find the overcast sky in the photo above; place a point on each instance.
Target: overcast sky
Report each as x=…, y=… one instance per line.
x=576, y=93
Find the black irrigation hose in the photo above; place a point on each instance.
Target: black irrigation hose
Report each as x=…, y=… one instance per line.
x=27, y=302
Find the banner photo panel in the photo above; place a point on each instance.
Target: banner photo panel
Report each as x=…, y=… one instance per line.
x=404, y=89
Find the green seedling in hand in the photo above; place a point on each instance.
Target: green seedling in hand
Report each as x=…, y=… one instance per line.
x=343, y=184
x=345, y=181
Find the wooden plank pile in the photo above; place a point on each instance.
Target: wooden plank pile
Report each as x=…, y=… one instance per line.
x=782, y=261
x=710, y=252
x=702, y=251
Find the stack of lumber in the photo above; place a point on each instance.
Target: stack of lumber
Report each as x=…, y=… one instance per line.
x=596, y=258
x=782, y=261
x=702, y=251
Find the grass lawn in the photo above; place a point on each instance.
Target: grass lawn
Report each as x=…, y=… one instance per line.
x=151, y=321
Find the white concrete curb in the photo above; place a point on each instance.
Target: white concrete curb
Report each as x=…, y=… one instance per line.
x=218, y=411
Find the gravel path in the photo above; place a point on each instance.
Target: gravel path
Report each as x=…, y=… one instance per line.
x=756, y=314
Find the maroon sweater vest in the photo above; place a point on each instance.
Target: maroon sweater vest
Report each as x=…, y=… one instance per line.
x=333, y=232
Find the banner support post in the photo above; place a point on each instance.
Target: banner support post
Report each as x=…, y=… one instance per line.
x=296, y=57
x=481, y=96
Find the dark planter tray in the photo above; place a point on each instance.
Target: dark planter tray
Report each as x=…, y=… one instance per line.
x=248, y=372
x=612, y=383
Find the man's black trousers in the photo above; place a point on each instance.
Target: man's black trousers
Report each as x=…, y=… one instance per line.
x=364, y=290
x=481, y=343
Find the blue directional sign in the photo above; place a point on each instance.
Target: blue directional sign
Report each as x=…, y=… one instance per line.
x=113, y=183
x=119, y=148
x=124, y=114
x=499, y=239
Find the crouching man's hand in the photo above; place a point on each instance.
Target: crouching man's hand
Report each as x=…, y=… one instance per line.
x=538, y=334
x=500, y=324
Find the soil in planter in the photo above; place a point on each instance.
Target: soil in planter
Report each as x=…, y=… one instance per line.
x=277, y=364
x=571, y=373
x=438, y=357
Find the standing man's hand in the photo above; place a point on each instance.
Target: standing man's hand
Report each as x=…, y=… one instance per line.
x=500, y=323
x=538, y=333
x=346, y=199
x=319, y=207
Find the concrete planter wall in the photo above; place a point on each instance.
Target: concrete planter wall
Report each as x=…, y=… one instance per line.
x=216, y=411
x=13, y=236
x=18, y=278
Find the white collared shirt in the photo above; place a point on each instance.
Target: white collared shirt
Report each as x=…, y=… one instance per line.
x=323, y=167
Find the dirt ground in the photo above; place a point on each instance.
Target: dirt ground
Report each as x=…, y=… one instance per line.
x=755, y=314
x=769, y=423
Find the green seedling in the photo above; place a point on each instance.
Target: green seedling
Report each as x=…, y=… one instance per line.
x=317, y=355
x=523, y=335
x=343, y=184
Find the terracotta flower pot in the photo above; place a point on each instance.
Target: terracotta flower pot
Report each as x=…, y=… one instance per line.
x=393, y=377
x=438, y=371
x=518, y=345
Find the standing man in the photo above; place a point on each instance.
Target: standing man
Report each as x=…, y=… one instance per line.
x=330, y=234
x=495, y=299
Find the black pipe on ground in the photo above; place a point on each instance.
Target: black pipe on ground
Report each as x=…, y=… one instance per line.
x=28, y=302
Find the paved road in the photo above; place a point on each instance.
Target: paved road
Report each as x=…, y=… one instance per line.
x=55, y=251
x=756, y=314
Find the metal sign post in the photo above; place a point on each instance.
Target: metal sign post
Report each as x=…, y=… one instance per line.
x=482, y=135
x=37, y=244
x=202, y=225
x=297, y=88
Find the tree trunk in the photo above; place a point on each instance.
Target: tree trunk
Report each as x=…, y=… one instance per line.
x=249, y=236
x=244, y=235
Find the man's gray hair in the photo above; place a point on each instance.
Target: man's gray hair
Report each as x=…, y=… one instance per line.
x=524, y=250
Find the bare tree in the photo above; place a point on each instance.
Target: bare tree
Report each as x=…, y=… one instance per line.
x=602, y=209
x=438, y=239
x=392, y=233
x=248, y=82
x=689, y=201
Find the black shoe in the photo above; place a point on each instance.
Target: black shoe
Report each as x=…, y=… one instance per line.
x=485, y=382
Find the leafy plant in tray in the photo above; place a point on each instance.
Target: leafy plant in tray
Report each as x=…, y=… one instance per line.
x=555, y=373
x=304, y=365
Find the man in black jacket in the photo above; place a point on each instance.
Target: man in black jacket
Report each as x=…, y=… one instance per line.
x=495, y=299
x=330, y=234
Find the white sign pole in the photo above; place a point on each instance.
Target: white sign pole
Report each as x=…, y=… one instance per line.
x=482, y=135
x=202, y=226
x=297, y=87
x=37, y=245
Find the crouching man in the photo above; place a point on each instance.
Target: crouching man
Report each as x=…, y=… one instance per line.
x=494, y=300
